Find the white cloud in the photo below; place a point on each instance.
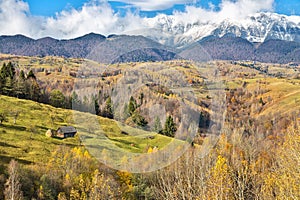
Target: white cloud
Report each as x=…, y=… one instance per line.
x=98, y=16
x=151, y=5
x=95, y=16
x=15, y=18
x=73, y=23
x=242, y=8
x=235, y=10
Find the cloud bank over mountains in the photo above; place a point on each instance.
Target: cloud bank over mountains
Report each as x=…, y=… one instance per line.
x=98, y=16
x=153, y=5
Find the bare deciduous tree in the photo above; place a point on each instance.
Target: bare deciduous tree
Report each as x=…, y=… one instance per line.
x=3, y=117
x=13, y=185
x=15, y=114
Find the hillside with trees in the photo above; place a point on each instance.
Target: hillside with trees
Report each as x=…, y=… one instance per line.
x=125, y=48
x=227, y=130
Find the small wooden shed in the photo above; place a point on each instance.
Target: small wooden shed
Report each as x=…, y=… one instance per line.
x=66, y=131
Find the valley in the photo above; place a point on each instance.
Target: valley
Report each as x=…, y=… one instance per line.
x=234, y=120
x=150, y=100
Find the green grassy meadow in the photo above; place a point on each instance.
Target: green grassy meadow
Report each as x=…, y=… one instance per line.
x=26, y=142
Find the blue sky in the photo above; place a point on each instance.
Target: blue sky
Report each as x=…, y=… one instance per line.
x=50, y=7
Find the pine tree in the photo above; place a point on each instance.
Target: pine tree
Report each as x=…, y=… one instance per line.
x=7, y=71
x=97, y=107
x=7, y=74
x=108, y=109
x=125, y=112
x=57, y=98
x=8, y=87
x=203, y=121
x=139, y=119
x=20, y=89
x=3, y=72
x=75, y=101
x=170, y=127
x=141, y=98
x=31, y=75
x=22, y=75
x=132, y=105
x=157, y=125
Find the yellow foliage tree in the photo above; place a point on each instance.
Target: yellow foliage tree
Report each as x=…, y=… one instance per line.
x=150, y=150
x=283, y=178
x=74, y=194
x=220, y=180
x=126, y=181
x=100, y=187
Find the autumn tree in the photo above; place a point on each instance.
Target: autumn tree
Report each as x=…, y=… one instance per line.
x=102, y=187
x=184, y=179
x=61, y=196
x=47, y=189
x=282, y=181
x=32, y=87
x=13, y=185
x=220, y=182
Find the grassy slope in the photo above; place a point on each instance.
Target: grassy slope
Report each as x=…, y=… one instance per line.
x=285, y=96
x=281, y=95
x=26, y=142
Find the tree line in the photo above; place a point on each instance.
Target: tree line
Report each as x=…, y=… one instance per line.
x=25, y=86
x=19, y=84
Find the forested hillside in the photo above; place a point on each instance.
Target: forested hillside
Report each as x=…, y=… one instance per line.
x=226, y=130
x=124, y=48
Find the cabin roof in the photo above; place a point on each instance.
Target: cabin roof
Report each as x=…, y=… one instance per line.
x=67, y=129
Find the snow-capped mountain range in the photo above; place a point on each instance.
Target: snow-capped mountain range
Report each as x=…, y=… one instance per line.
x=263, y=37
x=260, y=27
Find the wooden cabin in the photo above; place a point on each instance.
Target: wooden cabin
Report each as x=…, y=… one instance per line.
x=66, y=131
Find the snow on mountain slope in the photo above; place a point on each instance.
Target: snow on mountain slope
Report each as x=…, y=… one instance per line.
x=175, y=31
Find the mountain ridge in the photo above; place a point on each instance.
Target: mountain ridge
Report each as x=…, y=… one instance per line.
x=126, y=48
x=258, y=27
x=92, y=46
x=236, y=48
